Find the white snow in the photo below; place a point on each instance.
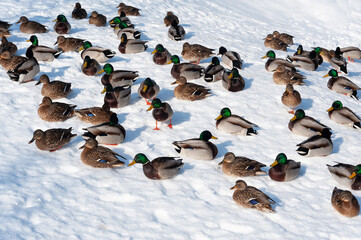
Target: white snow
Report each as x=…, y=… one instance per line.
x=55, y=196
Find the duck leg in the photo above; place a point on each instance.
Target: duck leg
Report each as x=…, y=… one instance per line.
x=292, y=112
x=156, y=126
x=195, y=62
x=170, y=124
x=53, y=150
x=148, y=103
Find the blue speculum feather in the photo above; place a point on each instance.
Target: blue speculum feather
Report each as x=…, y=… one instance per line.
x=101, y=160
x=253, y=202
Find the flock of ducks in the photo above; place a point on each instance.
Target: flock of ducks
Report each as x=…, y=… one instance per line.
x=117, y=88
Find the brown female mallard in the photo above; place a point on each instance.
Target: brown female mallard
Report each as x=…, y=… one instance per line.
x=240, y=166
x=190, y=91
x=31, y=27
x=196, y=52
x=52, y=139
x=53, y=89
x=94, y=115
x=345, y=203
x=55, y=111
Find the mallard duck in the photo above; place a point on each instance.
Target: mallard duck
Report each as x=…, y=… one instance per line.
x=301, y=52
x=162, y=112
x=341, y=84
x=55, y=111
x=169, y=18
x=198, y=148
x=304, y=125
x=9, y=62
x=131, y=33
x=117, y=97
x=160, y=167
x=196, y=52
x=31, y=27
x=62, y=26
x=78, y=12
x=52, y=139
x=109, y=133
x=214, y=71
x=54, y=89
x=98, y=53
x=8, y=46
x=336, y=60
x=94, y=115
x=131, y=45
x=233, y=81
x=284, y=76
x=122, y=18
x=291, y=98
x=42, y=53
x=5, y=25
x=90, y=67
x=4, y=33
x=190, y=91
x=346, y=175
x=188, y=70
x=234, y=124
x=69, y=44
x=161, y=55
x=98, y=156
x=26, y=70
x=273, y=62
x=251, y=197
x=345, y=203
x=176, y=32
x=308, y=63
x=230, y=58
x=148, y=89
x=318, y=145
x=284, y=37
x=351, y=53
x=240, y=166
x=117, y=78
x=343, y=115
x=277, y=44
x=283, y=169
x=97, y=19
x=120, y=23
x=128, y=10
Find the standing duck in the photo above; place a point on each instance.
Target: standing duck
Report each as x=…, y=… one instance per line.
x=346, y=175
x=240, y=166
x=176, y=32
x=55, y=111
x=31, y=27
x=342, y=84
x=26, y=70
x=128, y=10
x=351, y=53
x=162, y=112
x=190, y=91
x=8, y=46
x=54, y=89
x=188, y=70
x=343, y=115
x=98, y=53
x=97, y=19
x=316, y=146
x=62, y=26
x=94, y=115
x=277, y=44
x=78, y=12
x=117, y=97
x=160, y=167
x=42, y=53
x=52, y=139
x=98, y=156
x=291, y=98
x=127, y=46
x=196, y=52
x=214, y=71
x=304, y=125
x=251, y=197
x=283, y=169
x=169, y=18
x=109, y=133
x=69, y=44
x=148, y=89
x=284, y=37
x=283, y=76
x=273, y=62
x=233, y=81
x=117, y=78
x=90, y=67
x=230, y=58
x=161, y=55
x=234, y=124
x=198, y=148
x=345, y=203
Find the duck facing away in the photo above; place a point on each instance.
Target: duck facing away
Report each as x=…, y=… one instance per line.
x=190, y=91
x=99, y=156
x=94, y=115
x=316, y=146
x=283, y=76
x=188, y=70
x=8, y=46
x=52, y=139
x=230, y=58
x=240, y=166
x=198, y=148
x=159, y=168
x=90, y=66
x=345, y=203
x=62, y=26
x=31, y=27
x=176, y=32
x=53, y=89
x=346, y=175
x=341, y=84
x=162, y=112
x=214, y=71
x=291, y=98
x=55, y=111
x=169, y=18
x=117, y=97
x=196, y=52
x=78, y=12
x=251, y=197
x=234, y=124
x=148, y=89
x=42, y=53
x=343, y=115
x=128, y=46
x=304, y=125
x=283, y=169
x=97, y=19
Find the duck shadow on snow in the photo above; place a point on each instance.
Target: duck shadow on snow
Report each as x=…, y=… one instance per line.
x=248, y=83
x=189, y=35
x=165, y=94
x=180, y=117
x=74, y=93
x=222, y=150
x=134, y=133
x=306, y=103
x=302, y=171
x=336, y=144
x=246, y=65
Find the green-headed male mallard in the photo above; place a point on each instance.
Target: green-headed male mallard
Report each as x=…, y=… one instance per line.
x=240, y=166
x=117, y=97
x=230, y=58
x=273, y=62
x=148, y=89
x=346, y=175
x=161, y=55
x=52, y=139
x=62, y=26
x=304, y=125
x=214, y=71
x=127, y=46
x=343, y=115
x=42, y=53
x=188, y=70
x=283, y=169
x=234, y=124
x=90, y=66
x=342, y=84
x=233, y=81
x=162, y=112
x=117, y=78
x=316, y=146
x=98, y=53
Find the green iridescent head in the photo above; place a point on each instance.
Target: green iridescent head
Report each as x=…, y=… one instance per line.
x=215, y=61
x=225, y=113
x=318, y=50
x=270, y=54
x=234, y=73
x=159, y=48
x=281, y=158
x=337, y=105
x=61, y=18
x=206, y=135
x=358, y=169
x=113, y=119
x=156, y=103
x=108, y=68
x=34, y=40
x=333, y=73
x=175, y=59
x=300, y=114
x=87, y=44
x=139, y=158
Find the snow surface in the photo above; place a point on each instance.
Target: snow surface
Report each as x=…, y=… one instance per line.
x=55, y=196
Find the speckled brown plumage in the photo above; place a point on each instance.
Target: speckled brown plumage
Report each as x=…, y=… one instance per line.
x=52, y=139
x=55, y=111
